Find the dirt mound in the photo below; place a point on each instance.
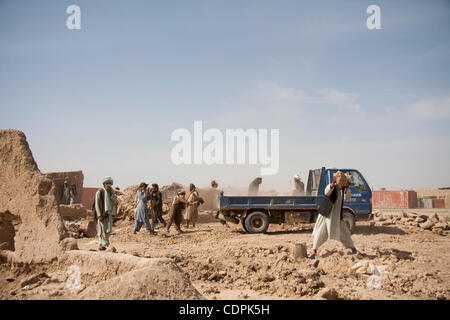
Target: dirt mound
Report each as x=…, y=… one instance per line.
x=162, y=279
x=96, y=275
x=29, y=196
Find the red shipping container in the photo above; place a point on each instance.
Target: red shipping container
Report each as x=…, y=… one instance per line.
x=394, y=199
x=439, y=203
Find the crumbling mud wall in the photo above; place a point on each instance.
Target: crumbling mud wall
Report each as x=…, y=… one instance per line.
x=73, y=178
x=28, y=195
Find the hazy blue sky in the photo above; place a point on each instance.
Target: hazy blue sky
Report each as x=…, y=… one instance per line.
x=106, y=98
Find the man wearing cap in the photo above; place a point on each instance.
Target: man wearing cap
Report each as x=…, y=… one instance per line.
x=143, y=196
x=176, y=211
x=299, y=186
x=331, y=226
x=105, y=208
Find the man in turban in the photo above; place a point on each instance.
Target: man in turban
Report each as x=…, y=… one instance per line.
x=299, y=186
x=253, y=188
x=331, y=226
x=105, y=208
x=191, y=214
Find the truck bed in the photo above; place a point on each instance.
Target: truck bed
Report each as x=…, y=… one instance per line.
x=269, y=202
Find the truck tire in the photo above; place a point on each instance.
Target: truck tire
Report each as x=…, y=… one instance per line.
x=349, y=219
x=256, y=222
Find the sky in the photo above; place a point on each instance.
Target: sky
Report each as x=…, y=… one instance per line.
x=105, y=99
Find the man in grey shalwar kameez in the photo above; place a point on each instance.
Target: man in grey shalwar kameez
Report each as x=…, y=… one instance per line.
x=105, y=207
x=142, y=197
x=333, y=227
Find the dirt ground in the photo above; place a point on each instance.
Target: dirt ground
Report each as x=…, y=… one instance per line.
x=228, y=263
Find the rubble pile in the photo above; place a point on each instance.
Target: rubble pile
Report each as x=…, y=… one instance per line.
x=127, y=202
x=433, y=222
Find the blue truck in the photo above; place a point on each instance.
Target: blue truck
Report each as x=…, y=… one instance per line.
x=255, y=213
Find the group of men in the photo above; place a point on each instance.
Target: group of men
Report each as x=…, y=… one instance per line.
x=106, y=204
x=329, y=224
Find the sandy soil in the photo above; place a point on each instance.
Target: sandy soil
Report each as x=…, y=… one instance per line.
x=227, y=263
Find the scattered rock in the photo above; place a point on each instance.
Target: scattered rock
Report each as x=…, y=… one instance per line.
x=33, y=279
x=328, y=293
x=441, y=225
x=427, y=225
x=69, y=244
x=314, y=264
x=419, y=220
x=111, y=249
x=55, y=293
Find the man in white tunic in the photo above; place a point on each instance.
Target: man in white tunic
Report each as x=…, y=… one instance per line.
x=333, y=227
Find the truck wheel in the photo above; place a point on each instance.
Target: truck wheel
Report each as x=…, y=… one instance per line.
x=349, y=219
x=256, y=222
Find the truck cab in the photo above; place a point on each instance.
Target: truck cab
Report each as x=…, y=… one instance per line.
x=360, y=203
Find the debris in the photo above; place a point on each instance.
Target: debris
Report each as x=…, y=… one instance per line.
x=361, y=266
x=69, y=244
x=33, y=279
x=299, y=250
x=427, y=225
x=111, y=249
x=328, y=293
x=314, y=264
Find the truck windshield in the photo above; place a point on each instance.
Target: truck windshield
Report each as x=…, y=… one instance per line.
x=356, y=180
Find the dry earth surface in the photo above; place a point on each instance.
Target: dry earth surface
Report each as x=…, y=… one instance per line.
x=227, y=263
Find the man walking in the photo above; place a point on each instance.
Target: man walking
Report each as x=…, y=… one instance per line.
x=176, y=211
x=142, y=197
x=156, y=205
x=192, y=210
x=105, y=208
x=330, y=225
